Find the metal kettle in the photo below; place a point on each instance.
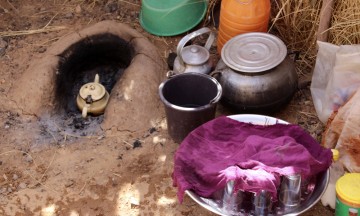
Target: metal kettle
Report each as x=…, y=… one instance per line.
x=194, y=58
x=92, y=98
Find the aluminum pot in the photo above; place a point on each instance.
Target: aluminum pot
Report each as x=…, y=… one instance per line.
x=256, y=73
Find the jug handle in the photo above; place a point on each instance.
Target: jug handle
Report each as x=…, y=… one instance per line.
x=190, y=36
x=214, y=73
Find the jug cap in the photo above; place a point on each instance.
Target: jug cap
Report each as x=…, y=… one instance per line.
x=253, y=52
x=195, y=55
x=95, y=90
x=335, y=154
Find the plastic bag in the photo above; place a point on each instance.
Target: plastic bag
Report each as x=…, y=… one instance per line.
x=342, y=133
x=336, y=77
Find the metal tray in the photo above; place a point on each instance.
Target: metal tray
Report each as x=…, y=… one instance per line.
x=321, y=180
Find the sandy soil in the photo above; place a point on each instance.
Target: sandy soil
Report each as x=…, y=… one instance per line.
x=43, y=173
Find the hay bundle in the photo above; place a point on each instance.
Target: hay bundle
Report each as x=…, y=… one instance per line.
x=296, y=23
x=345, y=28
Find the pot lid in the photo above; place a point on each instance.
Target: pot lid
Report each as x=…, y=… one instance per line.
x=253, y=52
x=95, y=90
x=195, y=55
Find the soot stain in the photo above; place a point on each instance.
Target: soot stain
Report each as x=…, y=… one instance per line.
x=105, y=54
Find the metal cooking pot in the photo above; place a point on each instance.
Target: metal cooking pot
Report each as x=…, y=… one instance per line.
x=256, y=73
x=194, y=58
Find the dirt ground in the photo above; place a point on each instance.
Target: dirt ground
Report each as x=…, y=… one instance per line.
x=42, y=173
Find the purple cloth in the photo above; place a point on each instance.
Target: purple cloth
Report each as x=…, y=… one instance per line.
x=255, y=156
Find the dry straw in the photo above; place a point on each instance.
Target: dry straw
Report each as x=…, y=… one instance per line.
x=345, y=22
x=296, y=23
x=33, y=31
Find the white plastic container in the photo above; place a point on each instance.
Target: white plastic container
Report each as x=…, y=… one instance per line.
x=336, y=171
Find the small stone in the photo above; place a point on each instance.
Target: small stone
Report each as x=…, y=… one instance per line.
x=15, y=177
x=7, y=126
x=78, y=9
x=57, y=172
x=69, y=15
x=90, y=159
x=114, y=182
x=28, y=159
x=41, y=49
x=2, y=190
x=69, y=183
x=319, y=132
x=3, y=46
x=137, y=144
x=9, y=190
x=111, y=7
x=22, y=185
x=152, y=130
x=134, y=203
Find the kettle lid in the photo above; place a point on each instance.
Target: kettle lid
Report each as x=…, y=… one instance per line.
x=195, y=55
x=253, y=52
x=93, y=89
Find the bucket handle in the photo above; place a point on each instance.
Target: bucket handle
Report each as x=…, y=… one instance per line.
x=217, y=97
x=190, y=36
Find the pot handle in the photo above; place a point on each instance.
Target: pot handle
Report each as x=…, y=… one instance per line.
x=296, y=55
x=190, y=36
x=170, y=74
x=214, y=73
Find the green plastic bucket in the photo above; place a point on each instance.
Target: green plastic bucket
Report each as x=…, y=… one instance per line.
x=171, y=17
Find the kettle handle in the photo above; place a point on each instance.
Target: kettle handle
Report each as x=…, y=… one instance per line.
x=190, y=36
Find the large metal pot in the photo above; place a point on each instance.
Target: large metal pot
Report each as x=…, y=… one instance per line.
x=256, y=73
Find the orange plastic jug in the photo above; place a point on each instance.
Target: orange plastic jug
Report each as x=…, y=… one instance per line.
x=241, y=16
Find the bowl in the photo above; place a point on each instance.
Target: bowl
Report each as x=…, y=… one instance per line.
x=169, y=18
x=322, y=178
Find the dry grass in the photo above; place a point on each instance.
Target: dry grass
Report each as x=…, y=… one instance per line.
x=296, y=23
x=346, y=23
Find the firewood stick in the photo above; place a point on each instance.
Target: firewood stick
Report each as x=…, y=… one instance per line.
x=325, y=20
